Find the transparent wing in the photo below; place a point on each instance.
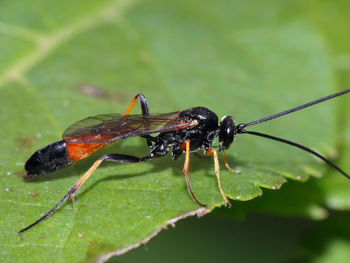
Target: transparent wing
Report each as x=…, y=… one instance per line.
x=107, y=128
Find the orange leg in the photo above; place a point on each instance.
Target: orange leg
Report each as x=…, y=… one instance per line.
x=131, y=105
x=186, y=145
x=70, y=193
x=82, y=179
x=217, y=171
x=144, y=106
x=227, y=166
x=145, y=112
x=121, y=158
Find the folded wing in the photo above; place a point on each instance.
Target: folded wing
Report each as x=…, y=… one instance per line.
x=107, y=128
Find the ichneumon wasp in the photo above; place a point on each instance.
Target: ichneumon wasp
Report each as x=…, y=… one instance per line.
x=181, y=131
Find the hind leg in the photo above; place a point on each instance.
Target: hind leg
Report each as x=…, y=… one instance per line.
x=145, y=112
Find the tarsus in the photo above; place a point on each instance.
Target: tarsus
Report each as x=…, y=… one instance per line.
x=46, y=215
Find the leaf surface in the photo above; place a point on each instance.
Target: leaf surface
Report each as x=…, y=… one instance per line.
x=94, y=59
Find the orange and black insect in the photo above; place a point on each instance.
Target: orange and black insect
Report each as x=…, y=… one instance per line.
x=182, y=131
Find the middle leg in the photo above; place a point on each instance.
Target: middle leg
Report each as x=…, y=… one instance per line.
x=186, y=146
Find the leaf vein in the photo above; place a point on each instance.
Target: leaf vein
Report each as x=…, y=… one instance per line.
x=50, y=42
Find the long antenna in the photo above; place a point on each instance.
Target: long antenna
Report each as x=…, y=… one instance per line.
x=295, y=109
x=242, y=131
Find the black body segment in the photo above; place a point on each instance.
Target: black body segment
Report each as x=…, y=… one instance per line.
x=48, y=159
x=227, y=132
x=202, y=135
x=205, y=133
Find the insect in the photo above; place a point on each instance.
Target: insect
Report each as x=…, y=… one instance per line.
x=182, y=131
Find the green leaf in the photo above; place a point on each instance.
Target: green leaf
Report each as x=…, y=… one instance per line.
x=328, y=241
x=332, y=191
x=69, y=61
x=225, y=239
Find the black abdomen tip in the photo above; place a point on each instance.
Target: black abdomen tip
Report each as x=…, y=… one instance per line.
x=48, y=159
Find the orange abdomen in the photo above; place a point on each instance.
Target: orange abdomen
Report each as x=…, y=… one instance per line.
x=78, y=151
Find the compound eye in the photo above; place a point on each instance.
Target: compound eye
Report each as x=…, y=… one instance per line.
x=227, y=132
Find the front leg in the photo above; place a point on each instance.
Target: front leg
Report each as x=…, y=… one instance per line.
x=217, y=172
x=227, y=165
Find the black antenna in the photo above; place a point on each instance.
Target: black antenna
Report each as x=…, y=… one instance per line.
x=240, y=130
x=243, y=125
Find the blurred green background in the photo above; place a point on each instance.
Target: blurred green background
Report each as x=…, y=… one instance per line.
x=61, y=61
